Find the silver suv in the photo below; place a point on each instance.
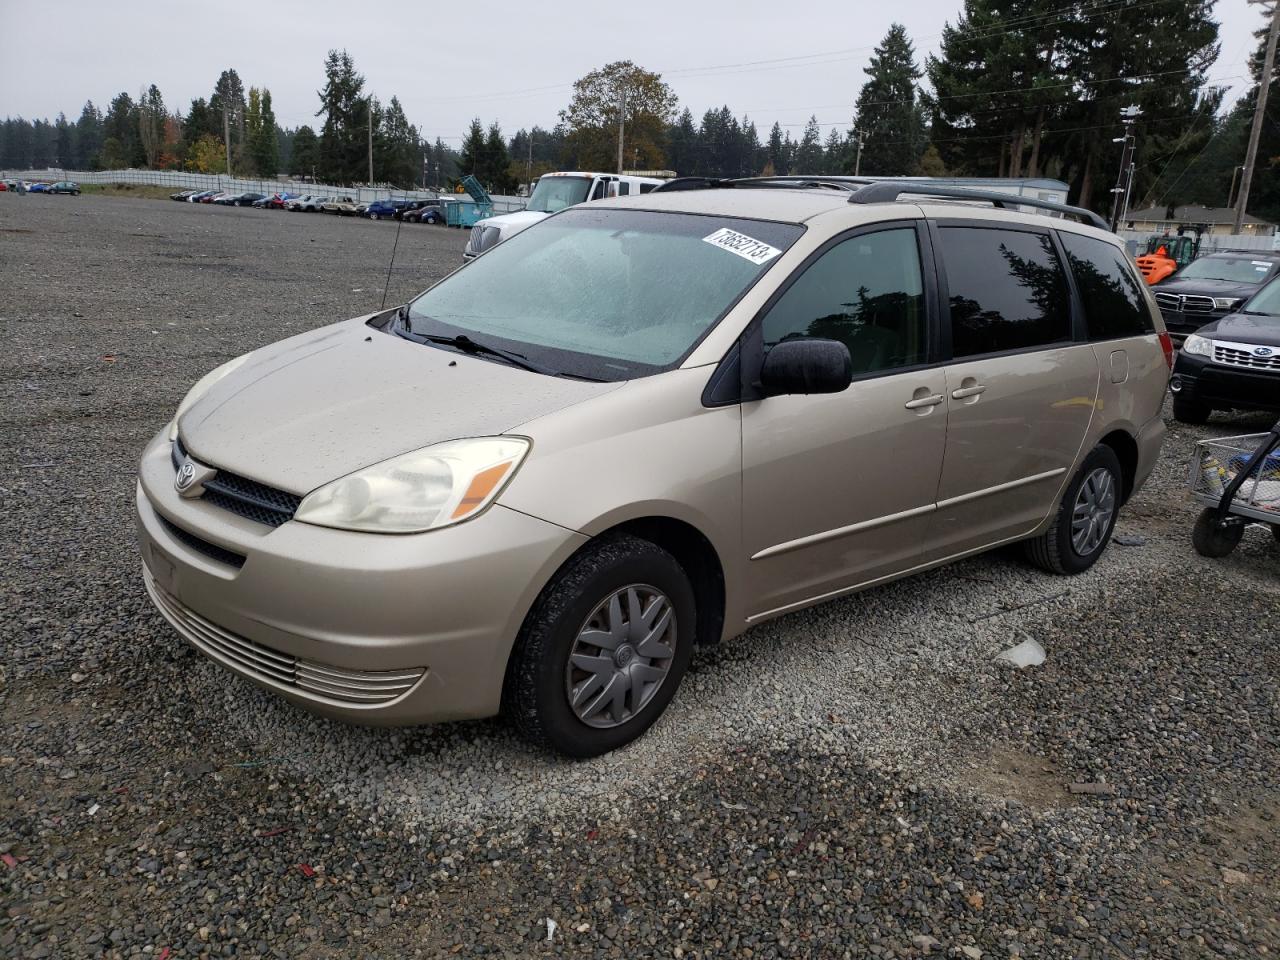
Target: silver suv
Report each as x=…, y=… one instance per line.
x=643, y=424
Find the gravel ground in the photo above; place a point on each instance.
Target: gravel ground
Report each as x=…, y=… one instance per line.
x=861, y=779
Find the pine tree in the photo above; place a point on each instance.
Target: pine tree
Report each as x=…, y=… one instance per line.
x=88, y=137
x=779, y=158
x=833, y=153
x=265, y=145
x=347, y=115
x=469, y=164
x=887, y=115
x=683, y=144
x=305, y=150
x=808, y=158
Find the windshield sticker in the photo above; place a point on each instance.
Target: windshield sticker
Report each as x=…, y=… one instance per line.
x=1261, y=263
x=747, y=247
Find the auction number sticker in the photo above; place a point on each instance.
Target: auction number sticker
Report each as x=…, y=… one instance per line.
x=749, y=248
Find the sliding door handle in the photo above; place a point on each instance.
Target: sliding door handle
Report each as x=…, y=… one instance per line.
x=921, y=402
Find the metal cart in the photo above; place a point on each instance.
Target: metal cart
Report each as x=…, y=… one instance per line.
x=1238, y=480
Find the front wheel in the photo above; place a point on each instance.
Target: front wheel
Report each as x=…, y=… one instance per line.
x=603, y=650
x=1213, y=539
x=374, y=216
x=1086, y=516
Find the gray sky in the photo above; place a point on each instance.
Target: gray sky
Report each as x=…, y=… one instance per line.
x=517, y=68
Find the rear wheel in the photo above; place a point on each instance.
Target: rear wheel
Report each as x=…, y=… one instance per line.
x=1214, y=539
x=1086, y=516
x=1275, y=531
x=1188, y=411
x=603, y=650
x=374, y=216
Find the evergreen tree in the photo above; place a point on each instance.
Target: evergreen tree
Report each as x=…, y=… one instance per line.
x=833, y=153
x=306, y=152
x=497, y=162
x=120, y=127
x=88, y=137
x=886, y=114
x=779, y=153
x=469, y=163
x=263, y=149
x=346, y=111
x=65, y=136
x=683, y=144
x=808, y=158
x=151, y=119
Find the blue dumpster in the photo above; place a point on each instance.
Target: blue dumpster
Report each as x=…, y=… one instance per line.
x=465, y=213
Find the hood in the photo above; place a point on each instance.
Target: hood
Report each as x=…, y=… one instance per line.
x=1206, y=288
x=515, y=222
x=1245, y=328
x=321, y=405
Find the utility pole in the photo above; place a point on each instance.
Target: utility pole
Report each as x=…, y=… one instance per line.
x=528, y=169
x=857, y=162
x=622, y=113
x=226, y=133
x=1259, y=111
x=1124, y=179
x=371, y=141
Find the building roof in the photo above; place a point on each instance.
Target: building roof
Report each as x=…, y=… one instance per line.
x=1191, y=214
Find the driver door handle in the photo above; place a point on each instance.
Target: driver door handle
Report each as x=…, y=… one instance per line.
x=963, y=393
x=930, y=401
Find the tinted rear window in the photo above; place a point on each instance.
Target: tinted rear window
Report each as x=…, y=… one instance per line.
x=1007, y=290
x=1113, y=302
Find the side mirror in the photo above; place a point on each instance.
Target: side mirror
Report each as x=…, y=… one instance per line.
x=806, y=366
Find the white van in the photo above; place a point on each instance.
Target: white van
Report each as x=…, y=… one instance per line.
x=553, y=193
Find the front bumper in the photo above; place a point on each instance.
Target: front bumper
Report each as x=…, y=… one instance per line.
x=1202, y=381
x=368, y=628
x=1181, y=325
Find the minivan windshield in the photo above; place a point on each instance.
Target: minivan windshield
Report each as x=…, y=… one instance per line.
x=553, y=194
x=1266, y=301
x=609, y=294
x=1234, y=269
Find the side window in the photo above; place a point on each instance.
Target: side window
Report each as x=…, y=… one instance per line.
x=646, y=187
x=624, y=188
x=867, y=293
x=1007, y=290
x=1113, y=302
x=597, y=193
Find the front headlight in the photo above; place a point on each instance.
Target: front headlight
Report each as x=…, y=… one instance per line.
x=1226, y=303
x=429, y=488
x=200, y=389
x=1200, y=346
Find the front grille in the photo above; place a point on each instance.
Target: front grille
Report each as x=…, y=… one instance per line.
x=1242, y=355
x=199, y=545
x=1190, y=303
x=250, y=499
x=477, y=238
x=324, y=682
x=242, y=496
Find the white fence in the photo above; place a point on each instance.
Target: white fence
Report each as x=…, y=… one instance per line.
x=1209, y=243
x=182, y=180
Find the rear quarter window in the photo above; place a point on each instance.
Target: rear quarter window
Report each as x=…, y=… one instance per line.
x=1114, y=306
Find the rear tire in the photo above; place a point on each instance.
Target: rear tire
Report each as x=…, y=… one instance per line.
x=1275, y=531
x=1082, y=527
x=1212, y=540
x=540, y=679
x=1188, y=411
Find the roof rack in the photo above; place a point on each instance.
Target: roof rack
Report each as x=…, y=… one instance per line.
x=794, y=182
x=887, y=191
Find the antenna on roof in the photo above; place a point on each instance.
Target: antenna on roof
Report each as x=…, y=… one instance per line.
x=387, y=283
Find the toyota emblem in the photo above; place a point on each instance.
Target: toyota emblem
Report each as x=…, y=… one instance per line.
x=186, y=473
x=1263, y=351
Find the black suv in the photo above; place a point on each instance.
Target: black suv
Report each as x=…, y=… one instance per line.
x=1232, y=363
x=1213, y=286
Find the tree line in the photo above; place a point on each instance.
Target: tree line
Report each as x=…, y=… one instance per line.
x=1015, y=89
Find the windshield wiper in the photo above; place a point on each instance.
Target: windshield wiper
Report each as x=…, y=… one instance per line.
x=467, y=345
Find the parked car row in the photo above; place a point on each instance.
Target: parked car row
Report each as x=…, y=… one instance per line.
x=22, y=186
x=433, y=210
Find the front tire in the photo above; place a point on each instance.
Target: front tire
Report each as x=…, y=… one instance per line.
x=603, y=650
x=374, y=216
x=1086, y=516
x=1188, y=411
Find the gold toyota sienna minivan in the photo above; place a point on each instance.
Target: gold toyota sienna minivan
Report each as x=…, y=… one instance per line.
x=647, y=423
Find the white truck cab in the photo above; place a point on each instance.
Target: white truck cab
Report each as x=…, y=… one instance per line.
x=553, y=193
